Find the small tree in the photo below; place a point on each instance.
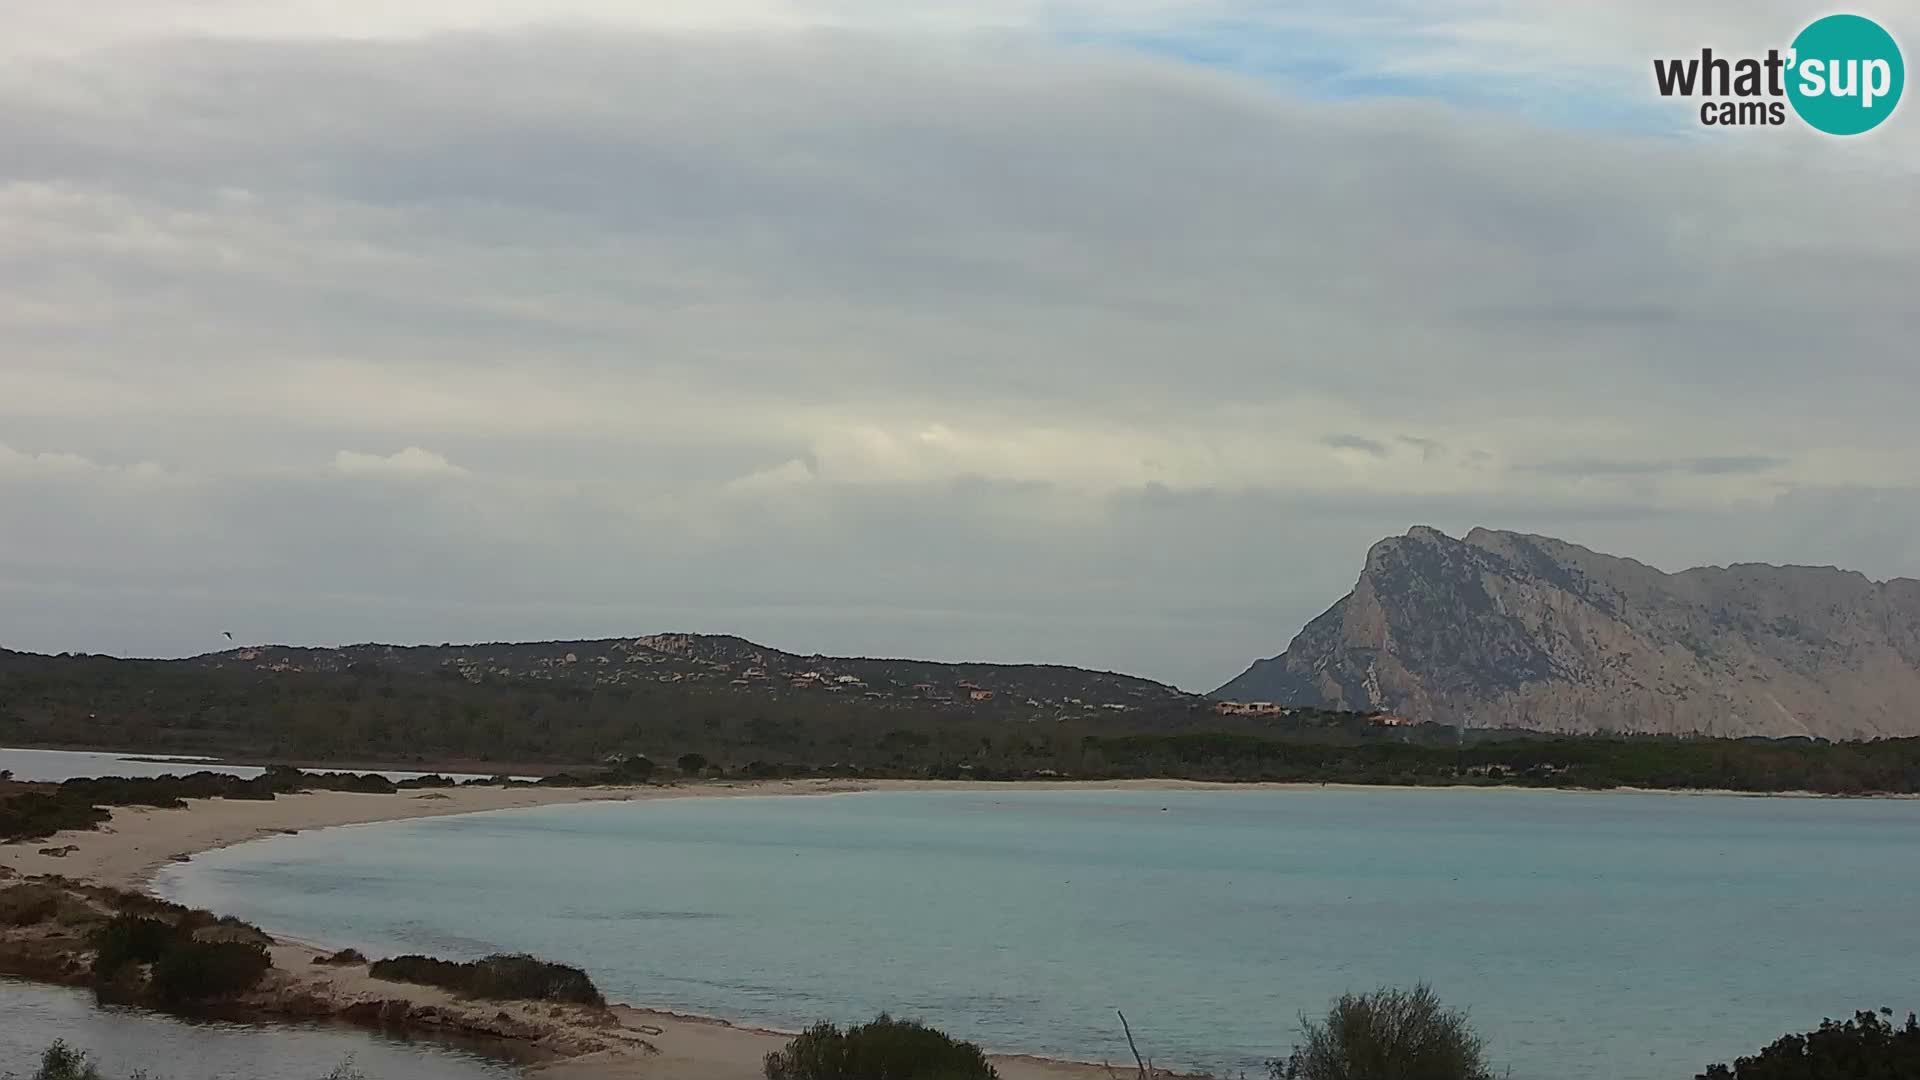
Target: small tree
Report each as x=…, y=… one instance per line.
x=885, y=1049
x=63, y=1062
x=1389, y=1034
x=692, y=764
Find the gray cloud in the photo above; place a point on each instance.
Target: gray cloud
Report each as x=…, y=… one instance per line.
x=1356, y=442
x=877, y=345
x=1726, y=465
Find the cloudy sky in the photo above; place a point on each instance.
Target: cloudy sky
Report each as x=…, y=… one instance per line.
x=1108, y=332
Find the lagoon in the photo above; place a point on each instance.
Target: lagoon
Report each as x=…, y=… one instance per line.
x=54, y=766
x=1593, y=936
x=121, y=1040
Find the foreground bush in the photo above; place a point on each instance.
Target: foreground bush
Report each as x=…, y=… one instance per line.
x=1389, y=1034
x=63, y=1062
x=500, y=977
x=1866, y=1047
x=885, y=1049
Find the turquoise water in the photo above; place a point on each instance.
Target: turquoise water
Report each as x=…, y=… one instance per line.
x=121, y=1040
x=1593, y=937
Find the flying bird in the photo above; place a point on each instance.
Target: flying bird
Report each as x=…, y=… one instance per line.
x=228, y=634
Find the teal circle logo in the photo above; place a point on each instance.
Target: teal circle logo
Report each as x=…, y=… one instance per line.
x=1846, y=76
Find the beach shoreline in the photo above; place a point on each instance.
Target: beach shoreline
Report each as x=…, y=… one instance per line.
x=137, y=843
x=641, y=1041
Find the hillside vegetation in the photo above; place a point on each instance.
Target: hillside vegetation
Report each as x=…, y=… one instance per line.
x=370, y=713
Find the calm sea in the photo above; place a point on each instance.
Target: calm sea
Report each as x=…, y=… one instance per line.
x=1592, y=937
x=122, y=1040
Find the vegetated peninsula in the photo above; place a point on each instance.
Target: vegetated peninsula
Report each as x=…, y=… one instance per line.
x=723, y=661
x=1508, y=630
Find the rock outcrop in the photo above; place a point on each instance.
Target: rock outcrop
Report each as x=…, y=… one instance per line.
x=1503, y=629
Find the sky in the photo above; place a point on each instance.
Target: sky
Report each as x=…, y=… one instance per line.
x=1106, y=333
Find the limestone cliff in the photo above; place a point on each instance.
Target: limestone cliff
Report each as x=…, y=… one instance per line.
x=1503, y=629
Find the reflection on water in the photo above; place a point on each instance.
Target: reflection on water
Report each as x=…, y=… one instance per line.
x=122, y=1040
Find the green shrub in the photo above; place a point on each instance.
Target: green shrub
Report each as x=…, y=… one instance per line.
x=517, y=977
x=500, y=977
x=1389, y=1034
x=1866, y=1047
x=637, y=767
x=63, y=1062
x=420, y=970
x=885, y=1049
x=36, y=815
x=130, y=939
x=365, y=783
x=692, y=764
x=196, y=970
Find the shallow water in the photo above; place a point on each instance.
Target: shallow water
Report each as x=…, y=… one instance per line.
x=121, y=1040
x=53, y=766
x=1603, y=936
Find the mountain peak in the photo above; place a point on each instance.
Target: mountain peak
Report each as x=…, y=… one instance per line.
x=1510, y=629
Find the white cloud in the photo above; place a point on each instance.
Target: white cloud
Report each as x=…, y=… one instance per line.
x=411, y=461
x=44, y=461
x=53, y=464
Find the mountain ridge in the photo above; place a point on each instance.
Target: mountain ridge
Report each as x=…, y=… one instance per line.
x=722, y=659
x=1509, y=629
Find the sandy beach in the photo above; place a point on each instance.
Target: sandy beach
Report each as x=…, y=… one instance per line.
x=638, y=1042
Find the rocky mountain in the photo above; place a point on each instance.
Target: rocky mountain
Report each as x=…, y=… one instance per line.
x=724, y=662
x=1503, y=629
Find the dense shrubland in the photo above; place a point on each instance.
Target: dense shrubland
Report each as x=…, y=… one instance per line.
x=1759, y=765
x=500, y=977
x=1867, y=1047
x=373, y=714
x=882, y=1049
x=135, y=948
x=182, y=965
x=36, y=811
x=142, y=949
